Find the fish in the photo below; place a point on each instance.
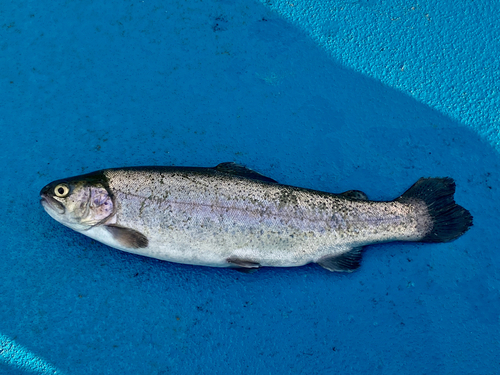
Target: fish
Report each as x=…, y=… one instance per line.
x=232, y=216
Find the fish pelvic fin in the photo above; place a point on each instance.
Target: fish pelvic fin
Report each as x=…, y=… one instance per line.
x=448, y=220
x=243, y=265
x=346, y=262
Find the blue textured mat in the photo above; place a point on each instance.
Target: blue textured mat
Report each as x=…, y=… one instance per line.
x=326, y=95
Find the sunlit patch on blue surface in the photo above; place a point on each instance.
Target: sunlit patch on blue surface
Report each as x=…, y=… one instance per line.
x=17, y=356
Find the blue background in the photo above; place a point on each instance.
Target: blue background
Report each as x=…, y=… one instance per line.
x=329, y=95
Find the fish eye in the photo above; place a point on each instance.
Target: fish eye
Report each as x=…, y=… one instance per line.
x=61, y=190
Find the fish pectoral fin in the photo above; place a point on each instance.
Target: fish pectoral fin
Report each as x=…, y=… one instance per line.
x=128, y=237
x=240, y=170
x=346, y=262
x=243, y=265
x=355, y=194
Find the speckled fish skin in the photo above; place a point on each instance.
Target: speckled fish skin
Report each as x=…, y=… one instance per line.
x=207, y=216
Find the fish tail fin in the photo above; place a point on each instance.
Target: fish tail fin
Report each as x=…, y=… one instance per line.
x=445, y=220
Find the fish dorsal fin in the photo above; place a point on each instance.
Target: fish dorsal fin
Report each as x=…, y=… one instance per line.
x=240, y=170
x=355, y=194
x=346, y=262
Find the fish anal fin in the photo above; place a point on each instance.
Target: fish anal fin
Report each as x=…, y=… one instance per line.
x=127, y=237
x=243, y=265
x=242, y=171
x=355, y=194
x=346, y=262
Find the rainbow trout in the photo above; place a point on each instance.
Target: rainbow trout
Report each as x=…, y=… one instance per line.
x=232, y=216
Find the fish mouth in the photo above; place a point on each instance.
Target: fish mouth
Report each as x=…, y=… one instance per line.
x=50, y=203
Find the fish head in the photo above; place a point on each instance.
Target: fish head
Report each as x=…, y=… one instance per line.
x=79, y=203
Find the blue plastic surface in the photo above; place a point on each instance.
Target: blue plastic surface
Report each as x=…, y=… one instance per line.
x=336, y=95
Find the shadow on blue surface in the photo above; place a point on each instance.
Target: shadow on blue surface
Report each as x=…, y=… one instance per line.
x=120, y=84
